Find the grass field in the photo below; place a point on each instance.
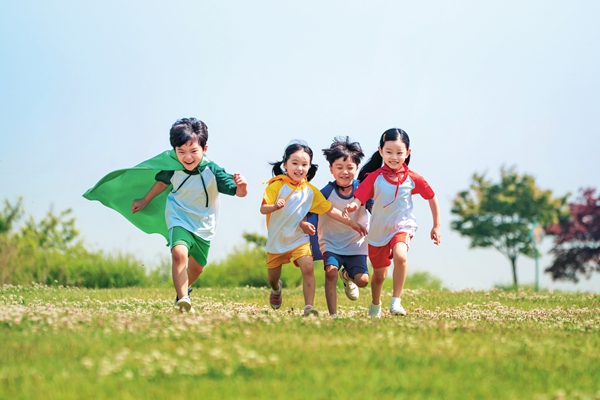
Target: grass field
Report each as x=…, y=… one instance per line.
x=68, y=343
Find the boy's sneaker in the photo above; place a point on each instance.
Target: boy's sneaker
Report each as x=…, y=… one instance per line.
x=275, y=298
x=184, y=304
x=310, y=311
x=349, y=287
x=177, y=297
x=375, y=310
x=396, y=307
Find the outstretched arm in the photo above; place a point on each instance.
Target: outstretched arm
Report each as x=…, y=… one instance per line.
x=336, y=214
x=435, y=234
x=352, y=206
x=155, y=190
x=242, y=185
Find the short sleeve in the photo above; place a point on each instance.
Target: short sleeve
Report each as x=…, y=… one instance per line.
x=320, y=204
x=366, y=189
x=271, y=192
x=164, y=177
x=225, y=182
x=421, y=186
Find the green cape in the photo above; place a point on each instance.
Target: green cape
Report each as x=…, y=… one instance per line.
x=118, y=189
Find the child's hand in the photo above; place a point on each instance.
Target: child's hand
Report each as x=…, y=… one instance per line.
x=279, y=204
x=241, y=184
x=436, y=236
x=359, y=228
x=138, y=205
x=307, y=227
x=349, y=209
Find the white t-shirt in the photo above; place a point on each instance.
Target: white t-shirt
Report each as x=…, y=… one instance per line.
x=336, y=237
x=392, y=202
x=284, y=233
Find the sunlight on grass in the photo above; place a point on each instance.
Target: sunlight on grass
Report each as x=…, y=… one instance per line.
x=71, y=343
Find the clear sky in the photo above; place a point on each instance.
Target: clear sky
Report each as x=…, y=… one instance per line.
x=91, y=87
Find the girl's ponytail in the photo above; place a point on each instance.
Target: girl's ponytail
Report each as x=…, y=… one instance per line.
x=374, y=162
x=312, y=171
x=277, y=170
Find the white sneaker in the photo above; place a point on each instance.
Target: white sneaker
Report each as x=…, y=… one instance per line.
x=349, y=287
x=184, y=304
x=310, y=311
x=396, y=307
x=375, y=310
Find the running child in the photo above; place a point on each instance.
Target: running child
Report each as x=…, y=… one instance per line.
x=342, y=250
x=387, y=180
x=182, y=204
x=287, y=200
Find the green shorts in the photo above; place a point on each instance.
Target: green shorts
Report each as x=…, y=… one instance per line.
x=197, y=247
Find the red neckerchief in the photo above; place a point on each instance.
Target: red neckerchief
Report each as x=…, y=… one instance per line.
x=400, y=174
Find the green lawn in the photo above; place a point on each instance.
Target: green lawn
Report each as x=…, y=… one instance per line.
x=68, y=343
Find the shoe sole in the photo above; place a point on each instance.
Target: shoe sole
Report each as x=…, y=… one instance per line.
x=347, y=288
x=277, y=306
x=312, y=313
x=184, y=307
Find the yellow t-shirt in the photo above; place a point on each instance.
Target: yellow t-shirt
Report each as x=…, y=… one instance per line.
x=284, y=233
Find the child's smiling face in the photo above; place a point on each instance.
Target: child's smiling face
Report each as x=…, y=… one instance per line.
x=394, y=153
x=190, y=154
x=343, y=171
x=297, y=165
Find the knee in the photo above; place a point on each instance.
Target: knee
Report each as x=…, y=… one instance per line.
x=179, y=255
x=362, y=280
x=331, y=275
x=379, y=275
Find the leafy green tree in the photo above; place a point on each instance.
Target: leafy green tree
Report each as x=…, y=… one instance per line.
x=500, y=215
x=11, y=214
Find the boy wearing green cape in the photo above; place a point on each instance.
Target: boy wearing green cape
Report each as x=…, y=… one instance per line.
x=183, y=203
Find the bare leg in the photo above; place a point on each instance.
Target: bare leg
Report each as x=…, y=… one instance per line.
x=379, y=275
x=361, y=280
x=308, y=278
x=273, y=275
x=179, y=257
x=194, y=270
x=331, y=278
x=400, y=268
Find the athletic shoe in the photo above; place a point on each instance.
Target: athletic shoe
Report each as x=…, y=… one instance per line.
x=275, y=299
x=184, y=304
x=349, y=287
x=396, y=307
x=177, y=297
x=310, y=311
x=375, y=311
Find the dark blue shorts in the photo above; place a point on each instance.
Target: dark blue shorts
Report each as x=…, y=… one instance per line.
x=353, y=264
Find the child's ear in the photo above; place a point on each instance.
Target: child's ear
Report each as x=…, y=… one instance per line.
x=205, y=149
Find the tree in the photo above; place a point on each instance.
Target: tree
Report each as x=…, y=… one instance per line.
x=11, y=214
x=577, y=239
x=500, y=215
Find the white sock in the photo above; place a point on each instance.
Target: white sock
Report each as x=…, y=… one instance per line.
x=394, y=299
x=277, y=291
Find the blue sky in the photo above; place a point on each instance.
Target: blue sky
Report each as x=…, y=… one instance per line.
x=87, y=88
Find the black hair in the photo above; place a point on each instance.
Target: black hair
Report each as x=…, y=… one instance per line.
x=342, y=147
x=186, y=129
x=376, y=160
x=291, y=149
